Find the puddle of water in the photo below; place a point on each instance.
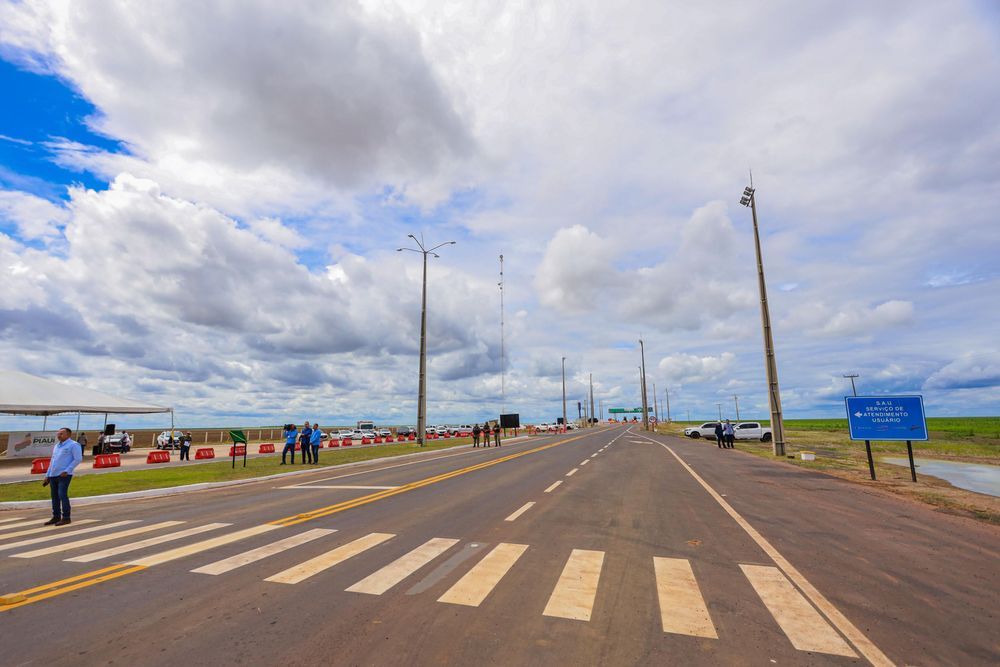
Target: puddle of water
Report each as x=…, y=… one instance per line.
x=977, y=477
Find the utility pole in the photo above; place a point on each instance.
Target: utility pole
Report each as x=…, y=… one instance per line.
x=736, y=399
x=667, y=391
x=565, y=423
x=645, y=400
x=719, y=405
x=656, y=409
x=503, y=398
x=589, y=421
x=771, y=364
x=422, y=391
x=851, y=376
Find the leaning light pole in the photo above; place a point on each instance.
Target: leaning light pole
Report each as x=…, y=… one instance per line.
x=645, y=400
x=592, y=413
x=422, y=392
x=771, y=365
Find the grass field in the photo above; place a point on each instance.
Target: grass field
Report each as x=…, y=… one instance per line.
x=141, y=480
x=967, y=439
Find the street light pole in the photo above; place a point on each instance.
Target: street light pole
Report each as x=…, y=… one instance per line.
x=565, y=424
x=645, y=402
x=736, y=399
x=719, y=405
x=854, y=390
x=771, y=365
x=667, y=391
x=656, y=405
x=591, y=418
x=422, y=391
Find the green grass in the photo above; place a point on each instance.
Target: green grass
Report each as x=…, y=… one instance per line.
x=141, y=480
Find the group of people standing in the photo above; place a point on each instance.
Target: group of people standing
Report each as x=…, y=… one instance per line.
x=725, y=435
x=309, y=440
x=484, y=432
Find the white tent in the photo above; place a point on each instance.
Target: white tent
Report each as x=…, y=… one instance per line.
x=24, y=394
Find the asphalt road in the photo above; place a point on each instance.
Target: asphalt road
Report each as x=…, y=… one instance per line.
x=656, y=550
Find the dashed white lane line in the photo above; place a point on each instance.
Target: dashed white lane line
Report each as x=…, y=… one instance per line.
x=478, y=582
x=585, y=462
x=260, y=553
x=553, y=487
x=801, y=623
x=682, y=607
x=574, y=594
x=76, y=544
x=393, y=573
x=135, y=546
x=524, y=508
x=325, y=561
x=572, y=472
x=594, y=454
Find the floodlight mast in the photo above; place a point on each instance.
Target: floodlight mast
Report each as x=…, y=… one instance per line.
x=422, y=392
x=771, y=366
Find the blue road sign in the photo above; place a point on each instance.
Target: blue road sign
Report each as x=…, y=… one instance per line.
x=886, y=417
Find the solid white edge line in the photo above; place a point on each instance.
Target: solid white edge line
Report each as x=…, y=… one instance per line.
x=864, y=645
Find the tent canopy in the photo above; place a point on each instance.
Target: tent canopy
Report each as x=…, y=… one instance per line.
x=24, y=394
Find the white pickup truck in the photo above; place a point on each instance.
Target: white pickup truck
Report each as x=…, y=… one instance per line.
x=742, y=430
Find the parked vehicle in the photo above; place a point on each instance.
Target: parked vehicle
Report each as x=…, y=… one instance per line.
x=358, y=434
x=366, y=425
x=706, y=430
x=163, y=440
x=384, y=433
x=405, y=431
x=752, y=431
x=115, y=443
x=344, y=433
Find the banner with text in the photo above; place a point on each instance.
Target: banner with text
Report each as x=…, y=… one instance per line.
x=30, y=444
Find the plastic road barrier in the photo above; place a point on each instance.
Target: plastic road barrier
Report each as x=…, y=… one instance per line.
x=107, y=461
x=204, y=453
x=40, y=466
x=266, y=448
x=238, y=450
x=158, y=456
x=346, y=442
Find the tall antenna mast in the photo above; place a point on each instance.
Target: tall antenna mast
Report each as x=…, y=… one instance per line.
x=502, y=351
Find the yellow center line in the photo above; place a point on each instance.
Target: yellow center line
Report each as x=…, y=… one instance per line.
x=114, y=571
x=372, y=497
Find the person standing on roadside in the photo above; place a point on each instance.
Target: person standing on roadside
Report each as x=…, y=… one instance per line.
x=475, y=435
x=66, y=456
x=83, y=443
x=304, y=437
x=496, y=434
x=185, y=446
x=291, y=436
x=730, y=434
x=315, y=440
x=720, y=435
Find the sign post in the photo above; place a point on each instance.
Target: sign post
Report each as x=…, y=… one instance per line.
x=897, y=418
x=239, y=443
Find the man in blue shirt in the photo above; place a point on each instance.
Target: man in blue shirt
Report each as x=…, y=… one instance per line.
x=315, y=440
x=291, y=435
x=66, y=456
x=304, y=437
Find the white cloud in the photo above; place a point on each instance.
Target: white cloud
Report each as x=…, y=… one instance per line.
x=35, y=218
x=689, y=369
x=969, y=371
x=849, y=319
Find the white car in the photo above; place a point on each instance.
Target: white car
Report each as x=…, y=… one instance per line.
x=706, y=430
x=358, y=434
x=343, y=433
x=752, y=431
x=163, y=440
x=384, y=433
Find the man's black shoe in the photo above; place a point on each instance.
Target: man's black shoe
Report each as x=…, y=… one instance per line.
x=63, y=522
x=51, y=522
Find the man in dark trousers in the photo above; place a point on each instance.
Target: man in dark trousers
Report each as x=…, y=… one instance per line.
x=66, y=456
x=315, y=440
x=304, y=437
x=186, y=446
x=475, y=435
x=496, y=434
x=291, y=435
x=719, y=435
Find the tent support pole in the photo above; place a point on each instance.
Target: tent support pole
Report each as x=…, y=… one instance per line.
x=78, y=422
x=45, y=421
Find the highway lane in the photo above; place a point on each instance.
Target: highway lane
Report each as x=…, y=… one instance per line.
x=628, y=560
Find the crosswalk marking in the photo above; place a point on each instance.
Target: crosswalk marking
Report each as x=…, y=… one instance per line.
x=40, y=529
x=153, y=541
x=573, y=596
x=16, y=518
x=682, y=607
x=95, y=540
x=58, y=535
x=800, y=622
x=524, y=508
x=553, y=487
x=572, y=472
x=478, y=582
x=204, y=545
x=393, y=573
x=254, y=555
x=325, y=561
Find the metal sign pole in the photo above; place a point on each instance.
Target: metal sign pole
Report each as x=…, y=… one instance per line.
x=871, y=463
x=913, y=468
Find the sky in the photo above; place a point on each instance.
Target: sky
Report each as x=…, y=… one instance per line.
x=201, y=203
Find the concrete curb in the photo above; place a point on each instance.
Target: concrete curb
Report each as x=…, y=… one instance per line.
x=202, y=486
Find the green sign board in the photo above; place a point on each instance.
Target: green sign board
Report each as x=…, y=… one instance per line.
x=618, y=411
x=240, y=437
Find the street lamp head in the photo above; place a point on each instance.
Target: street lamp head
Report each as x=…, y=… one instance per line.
x=412, y=237
x=399, y=250
x=748, y=191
